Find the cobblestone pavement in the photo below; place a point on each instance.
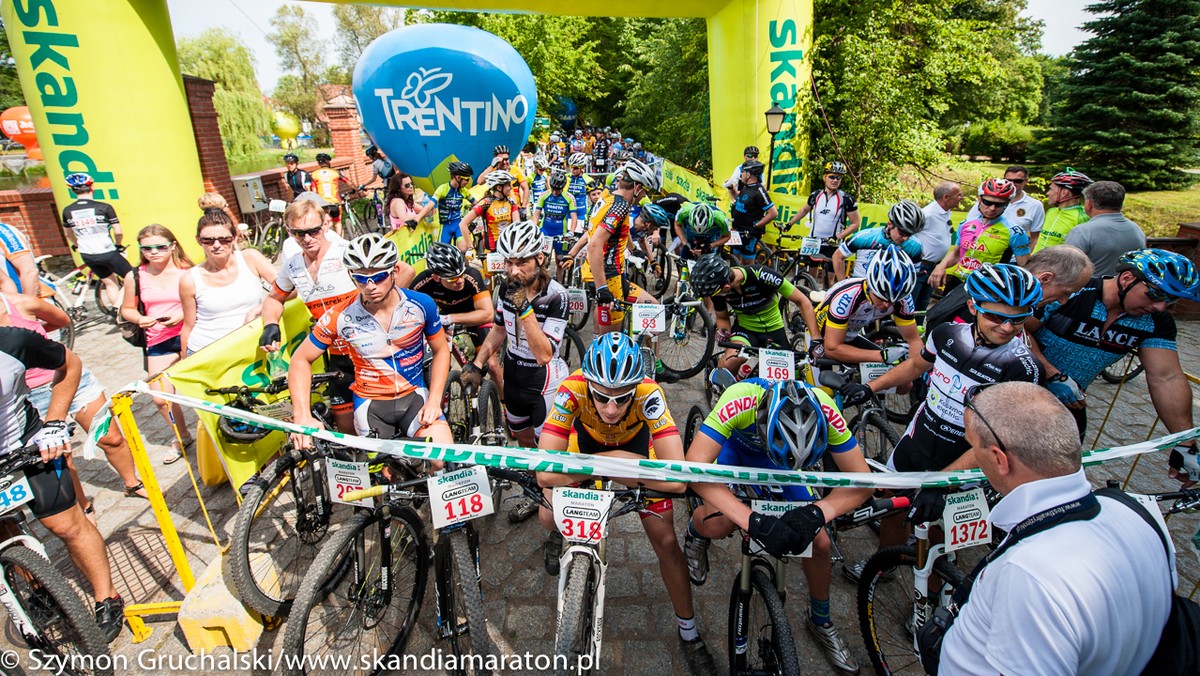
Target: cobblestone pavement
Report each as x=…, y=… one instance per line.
x=639, y=633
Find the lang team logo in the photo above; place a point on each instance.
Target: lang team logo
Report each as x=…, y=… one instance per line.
x=420, y=109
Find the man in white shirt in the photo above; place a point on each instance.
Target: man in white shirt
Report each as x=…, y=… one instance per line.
x=935, y=238
x=1084, y=596
x=1023, y=210
x=734, y=184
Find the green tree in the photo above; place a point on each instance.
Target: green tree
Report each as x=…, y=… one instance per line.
x=10, y=85
x=1130, y=109
x=359, y=25
x=243, y=117
x=301, y=54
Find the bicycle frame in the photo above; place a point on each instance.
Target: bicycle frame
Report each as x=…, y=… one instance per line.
x=927, y=555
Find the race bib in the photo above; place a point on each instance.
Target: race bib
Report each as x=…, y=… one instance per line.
x=735, y=238
x=965, y=520
x=810, y=246
x=279, y=410
x=581, y=514
x=462, y=495
x=871, y=371
x=649, y=317
x=495, y=262
x=777, y=509
x=776, y=365
x=342, y=476
x=14, y=492
x=576, y=301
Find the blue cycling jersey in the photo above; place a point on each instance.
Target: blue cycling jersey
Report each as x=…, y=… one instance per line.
x=876, y=238
x=578, y=186
x=539, y=185
x=555, y=209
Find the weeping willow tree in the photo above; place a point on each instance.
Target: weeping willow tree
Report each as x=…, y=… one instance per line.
x=242, y=115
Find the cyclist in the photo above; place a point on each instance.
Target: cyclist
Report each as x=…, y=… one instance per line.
x=554, y=209
x=496, y=207
x=380, y=165
x=540, y=183
x=600, y=153
x=830, y=209
x=991, y=238
x=701, y=229
x=519, y=185
x=609, y=237
x=957, y=357
x=852, y=304
x=452, y=198
x=326, y=182
x=784, y=426
x=752, y=211
x=54, y=502
x=1024, y=211
x=734, y=184
x=651, y=220
x=459, y=291
x=19, y=264
x=384, y=331
x=1112, y=317
x=609, y=408
x=905, y=219
x=93, y=230
x=296, y=178
x=555, y=150
x=1065, y=198
x=318, y=276
x=534, y=311
x=579, y=183
x=751, y=294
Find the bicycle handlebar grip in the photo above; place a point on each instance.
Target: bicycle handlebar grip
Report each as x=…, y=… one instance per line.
x=363, y=494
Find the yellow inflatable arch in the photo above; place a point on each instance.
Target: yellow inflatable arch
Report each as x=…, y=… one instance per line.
x=102, y=82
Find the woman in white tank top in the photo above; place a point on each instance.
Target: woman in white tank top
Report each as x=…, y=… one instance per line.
x=226, y=290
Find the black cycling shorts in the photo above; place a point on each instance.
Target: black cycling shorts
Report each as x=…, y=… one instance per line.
x=107, y=264
x=340, y=397
x=53, y=490
x=388, y=418
x=526, y=399
x=777, y=339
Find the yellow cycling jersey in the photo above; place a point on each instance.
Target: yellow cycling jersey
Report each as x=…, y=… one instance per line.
x=574, y=411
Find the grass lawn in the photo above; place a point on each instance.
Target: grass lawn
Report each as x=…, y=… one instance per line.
x=1158, y=212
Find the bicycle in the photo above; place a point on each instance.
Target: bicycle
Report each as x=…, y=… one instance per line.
x=268, y=237
x=69, y=294
x=689, y=332
x=869, y=425
x=1124, y=370
x=718, y=379
x=793, y=264
x=47, y=613
x=372, y=213
x=584, y=566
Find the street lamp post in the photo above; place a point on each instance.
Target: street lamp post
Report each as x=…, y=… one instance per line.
x=774, y=123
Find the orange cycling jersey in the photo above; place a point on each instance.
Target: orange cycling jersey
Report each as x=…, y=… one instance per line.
x=574, y=411
x=325, y=183
x=496, y=213
x=612, y=214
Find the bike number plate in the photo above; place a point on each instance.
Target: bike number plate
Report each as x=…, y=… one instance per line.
x=776, y=364
x=462, y=495
x=495, y=262
x=279, y=410
x=872, y=370
x=777, y=509
x=581, y=514
x=649, y=317
x=576, y=301
x=965, y=518
x=14, y=492
x=735, y=238
x=810, y=246
x=342, y=476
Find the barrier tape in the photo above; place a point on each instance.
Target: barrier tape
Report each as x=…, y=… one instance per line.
x=647, y=470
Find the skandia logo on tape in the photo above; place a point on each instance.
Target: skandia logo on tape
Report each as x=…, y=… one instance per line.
x=433, y=93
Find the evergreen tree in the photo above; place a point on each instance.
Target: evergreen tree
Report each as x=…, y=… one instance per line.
x=1128, y=112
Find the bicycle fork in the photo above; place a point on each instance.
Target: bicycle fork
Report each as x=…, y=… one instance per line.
x=741, y=620
x=923, y=603
x=599, y=571
x=8, y=598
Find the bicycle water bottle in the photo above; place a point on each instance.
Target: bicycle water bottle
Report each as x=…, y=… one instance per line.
x=745, y=371
x=276, y=365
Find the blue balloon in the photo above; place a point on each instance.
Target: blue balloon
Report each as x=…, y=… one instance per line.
x=433, y=93
x=567, y=111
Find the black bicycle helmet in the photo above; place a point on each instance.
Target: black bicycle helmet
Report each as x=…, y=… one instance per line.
x=500, y=150
x=709, y=274
x=460, y=169
x=239, y=431
x=290, y=157
x=372, y=152
x=324, y=158
x=558, y=179
x=754, y=167
x=445, y=260
x=752, y=151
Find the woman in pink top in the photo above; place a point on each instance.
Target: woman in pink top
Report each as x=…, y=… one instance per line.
x=163, y=264
x=407, y=206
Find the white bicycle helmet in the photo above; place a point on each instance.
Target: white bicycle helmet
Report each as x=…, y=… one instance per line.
x=499, y=177
x=907, y=217
x=371, y=252
x=522, y=239
x=891, y=275
x=577, y=160
x=638, y=172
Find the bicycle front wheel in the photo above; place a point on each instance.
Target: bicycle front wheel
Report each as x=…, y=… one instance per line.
x=572, y=349
x=688, y=341
x=467, y=603
x=457, y=408
x=574, y=635
x=65, y=335
x=62, y=624
x=347, y=607
x=279, y=528
x=887, y=605
x=695, y=418
x=578, y=320
x=875, y=435
x=760, y=638
x=492, y=431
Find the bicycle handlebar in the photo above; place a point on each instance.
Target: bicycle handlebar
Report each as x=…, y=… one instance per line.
x=275, y=386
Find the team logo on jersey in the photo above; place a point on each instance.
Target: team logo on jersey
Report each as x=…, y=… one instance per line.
x=739, y=405
x=844, y=302
x=1020, y=212
x=834, y=418
x=561, y=400
x=653, y=406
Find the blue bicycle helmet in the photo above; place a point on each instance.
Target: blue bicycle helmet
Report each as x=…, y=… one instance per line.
x=1005, y=284
x=613, y=360
x=891, y=275
x=79, y=181
x=792, y=425
x=656, y=215
x=1167, y=271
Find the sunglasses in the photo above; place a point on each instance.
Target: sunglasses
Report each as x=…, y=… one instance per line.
x=301, y=234
x=154, y=248
x=834, y=177
x=968, y=402
x=1016, y=181
x=209, y=241
x=994, y=205
x=619, y=399
x=377, y=278
x=1157, y=295
x=1001, y=318
x=451, y=280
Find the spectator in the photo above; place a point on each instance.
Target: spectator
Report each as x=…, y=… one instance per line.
x=163, y=265
x=935, y=238
x=1023, y=211
x=214, y=200
x=381, y=165
x=296, y=178
x=226, y=290
x=1107, y=234
x=734, y=184
x=406, y=205
x=1030, y=610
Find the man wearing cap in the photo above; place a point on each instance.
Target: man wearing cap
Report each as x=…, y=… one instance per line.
x=734, y=184
x=752, y=210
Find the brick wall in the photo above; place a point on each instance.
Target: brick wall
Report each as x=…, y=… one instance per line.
x=32, y=211
x=344, y=128
x=213, y=165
